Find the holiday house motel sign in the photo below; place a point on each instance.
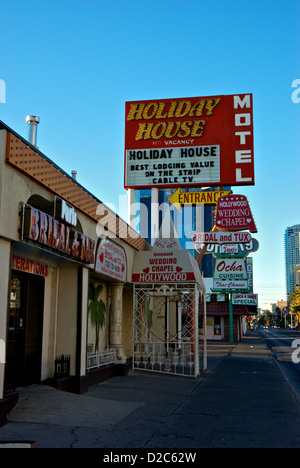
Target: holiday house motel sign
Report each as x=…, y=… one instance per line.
x=178, y=143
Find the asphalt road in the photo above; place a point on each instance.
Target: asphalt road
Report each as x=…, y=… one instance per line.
x=244, y=400
x=284, y=345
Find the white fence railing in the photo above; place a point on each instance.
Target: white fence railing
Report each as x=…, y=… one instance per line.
x=103, y=358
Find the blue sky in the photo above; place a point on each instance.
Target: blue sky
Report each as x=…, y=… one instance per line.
x=75, y=64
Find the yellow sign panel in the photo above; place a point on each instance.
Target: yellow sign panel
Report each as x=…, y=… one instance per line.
x=179, y=198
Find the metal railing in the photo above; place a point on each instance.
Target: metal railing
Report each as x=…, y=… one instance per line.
x=103, y=358
x=62, y=366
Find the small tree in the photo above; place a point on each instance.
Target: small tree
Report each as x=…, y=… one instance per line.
x=268, y=319
x=294, y=304
x=97, y=311
x=262, y=321
x=278, y=318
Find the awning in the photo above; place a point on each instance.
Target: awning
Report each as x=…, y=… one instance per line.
x=166, y=263
x=222, y=308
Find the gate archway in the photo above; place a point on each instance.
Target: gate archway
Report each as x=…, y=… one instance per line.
x=169, y=311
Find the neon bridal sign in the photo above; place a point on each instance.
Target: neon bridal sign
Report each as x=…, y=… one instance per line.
x=42, y=228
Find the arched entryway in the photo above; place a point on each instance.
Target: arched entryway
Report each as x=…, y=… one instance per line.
x=169, y=311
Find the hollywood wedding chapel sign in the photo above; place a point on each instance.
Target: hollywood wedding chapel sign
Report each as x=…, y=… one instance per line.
x=166, y=263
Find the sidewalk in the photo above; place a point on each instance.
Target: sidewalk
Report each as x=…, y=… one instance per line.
x=242, y=401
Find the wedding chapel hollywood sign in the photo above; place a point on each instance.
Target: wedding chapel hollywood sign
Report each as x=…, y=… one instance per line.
x=189, y=141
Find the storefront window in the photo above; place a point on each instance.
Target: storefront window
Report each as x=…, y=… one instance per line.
x=217, y=325
x=15, y=293
x=15, y=318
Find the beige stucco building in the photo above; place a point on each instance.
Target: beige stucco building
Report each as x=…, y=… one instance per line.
x=65, y=288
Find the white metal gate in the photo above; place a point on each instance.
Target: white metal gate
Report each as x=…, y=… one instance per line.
x=169, y=328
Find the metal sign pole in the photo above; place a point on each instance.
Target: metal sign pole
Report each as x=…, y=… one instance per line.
x=230, y=319
x=131, y=207
x=154, y=214
x=203, y=301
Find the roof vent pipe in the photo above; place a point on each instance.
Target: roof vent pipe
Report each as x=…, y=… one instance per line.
x=32, y=121
x=74, y=173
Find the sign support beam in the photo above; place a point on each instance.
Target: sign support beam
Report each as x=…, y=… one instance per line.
x=154, y=214
x=202, y=253
x=230, y=319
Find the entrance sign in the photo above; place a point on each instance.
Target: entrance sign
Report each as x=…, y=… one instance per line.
x=178, y=142
x=111, y=260
x=220, y=237
x=179, y=198
x=234, y=213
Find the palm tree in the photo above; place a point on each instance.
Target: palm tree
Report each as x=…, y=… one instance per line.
x=97, y=311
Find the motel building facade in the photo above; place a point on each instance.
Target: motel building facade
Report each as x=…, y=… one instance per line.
x=66, y=295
